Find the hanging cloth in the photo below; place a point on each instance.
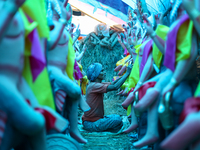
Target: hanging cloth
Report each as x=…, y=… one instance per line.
x=179, y=42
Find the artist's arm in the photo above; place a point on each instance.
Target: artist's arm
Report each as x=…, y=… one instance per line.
x=146, y=73
x=7, y=13
x=82, y=53
x=116, y=81
x=160, y=43
x=118, y=84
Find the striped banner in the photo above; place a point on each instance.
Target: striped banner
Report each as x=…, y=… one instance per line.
x=113, y=13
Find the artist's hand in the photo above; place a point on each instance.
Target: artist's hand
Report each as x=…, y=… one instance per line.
x=147, y=25
x=116, y=81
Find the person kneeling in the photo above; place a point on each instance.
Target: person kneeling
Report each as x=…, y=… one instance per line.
x=94, y=119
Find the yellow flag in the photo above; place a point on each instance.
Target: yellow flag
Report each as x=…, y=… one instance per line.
x=184, y=41
x=36, y=10
x=162, y=32
x=41, y=87
x=70, y=59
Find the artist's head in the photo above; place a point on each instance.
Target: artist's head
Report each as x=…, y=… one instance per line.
x=95, y=72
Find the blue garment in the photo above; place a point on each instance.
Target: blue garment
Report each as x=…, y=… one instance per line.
x=115, y=7
x=93, y=71
x=110, y=123
x=116, y=4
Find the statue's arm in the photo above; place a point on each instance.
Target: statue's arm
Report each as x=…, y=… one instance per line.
x=160, y=43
